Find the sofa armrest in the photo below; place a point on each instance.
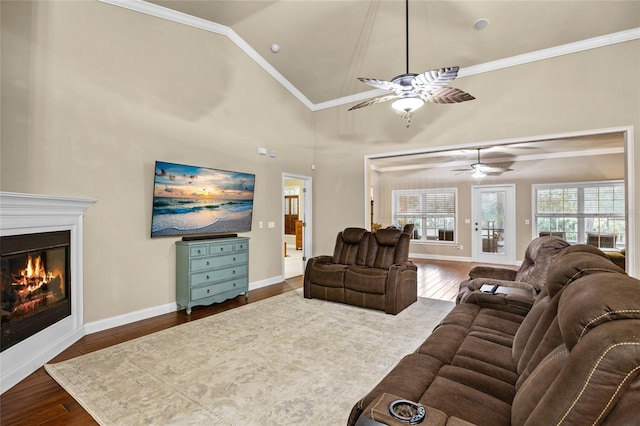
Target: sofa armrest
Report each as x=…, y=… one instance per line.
x=492, y=272
x=377, y=413
x=503, y=300
x=322, y=259
x=402, y=287
x=519, y=300
x=477, y=284
x=318, y=260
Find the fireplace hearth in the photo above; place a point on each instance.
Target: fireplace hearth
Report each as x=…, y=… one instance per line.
x=35, y=284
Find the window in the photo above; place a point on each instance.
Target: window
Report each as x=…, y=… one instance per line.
x=588, y=213
x=431, y=211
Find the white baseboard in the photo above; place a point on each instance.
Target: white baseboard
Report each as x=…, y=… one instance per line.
x=439, y=257
x=451, y=258
x=267, y=282
x=105, y=324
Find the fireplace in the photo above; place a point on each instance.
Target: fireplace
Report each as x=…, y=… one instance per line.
x=41, y=247
x=35, y=284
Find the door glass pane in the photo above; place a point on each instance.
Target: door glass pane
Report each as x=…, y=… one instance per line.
x=493, y=221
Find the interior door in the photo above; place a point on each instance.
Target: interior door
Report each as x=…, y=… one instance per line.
x=493, y=212
x=290, y=214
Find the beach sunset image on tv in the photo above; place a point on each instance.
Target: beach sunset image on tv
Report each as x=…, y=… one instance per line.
x=190, y=200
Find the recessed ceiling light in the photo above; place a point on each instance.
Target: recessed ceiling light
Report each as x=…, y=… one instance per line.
x=481, y=24
x=275, y=48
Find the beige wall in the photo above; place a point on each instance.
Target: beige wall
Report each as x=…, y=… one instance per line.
x=594, y=89
x=561, y=170
x=93, y=95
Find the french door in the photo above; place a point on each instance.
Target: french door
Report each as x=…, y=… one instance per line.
x=493, y=224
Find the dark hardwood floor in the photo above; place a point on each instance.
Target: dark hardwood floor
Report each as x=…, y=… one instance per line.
x=39, y=400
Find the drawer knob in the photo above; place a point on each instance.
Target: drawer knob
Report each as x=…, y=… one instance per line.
x=207, y=263
x=234, y=284
x=199, y=251
x=208, y=290
x=221, y=248
x=234, y=272
x=207, y=276
x=234, y=259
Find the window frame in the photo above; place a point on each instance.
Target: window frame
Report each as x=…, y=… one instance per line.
x=423, y=217
x=581, y=216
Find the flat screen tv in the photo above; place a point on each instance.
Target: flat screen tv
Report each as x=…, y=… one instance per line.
x=192, y=201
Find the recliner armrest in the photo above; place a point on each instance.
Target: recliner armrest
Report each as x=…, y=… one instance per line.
x=322, y=259
x=510, y=302
x=492, y=272
x=377, y=413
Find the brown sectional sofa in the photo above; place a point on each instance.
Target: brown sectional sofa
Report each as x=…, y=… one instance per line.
x=371, y=270
x=572, y=359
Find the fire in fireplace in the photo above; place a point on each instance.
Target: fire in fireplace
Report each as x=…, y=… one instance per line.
x=35, y=284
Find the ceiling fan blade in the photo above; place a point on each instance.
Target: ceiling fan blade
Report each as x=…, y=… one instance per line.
x=373, y=101
x=449, y=95
x=380, y=84
x=432, y=80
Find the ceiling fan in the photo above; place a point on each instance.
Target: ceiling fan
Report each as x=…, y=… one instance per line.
x=410, y=91
x=480, y=169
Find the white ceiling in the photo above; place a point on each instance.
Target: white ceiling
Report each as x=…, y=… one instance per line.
x=326, y=45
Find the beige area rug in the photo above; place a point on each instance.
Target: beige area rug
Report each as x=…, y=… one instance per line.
x=285, y=360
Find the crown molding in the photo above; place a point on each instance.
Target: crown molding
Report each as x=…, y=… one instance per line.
x=539, y=55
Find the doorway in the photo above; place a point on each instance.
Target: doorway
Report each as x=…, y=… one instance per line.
x=297, y=223
x=493, y=216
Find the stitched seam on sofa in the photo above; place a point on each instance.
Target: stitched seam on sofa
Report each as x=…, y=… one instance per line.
x=582, y=272
x=599, y=317
x=539, y=368
x=615, y=393
x=586, y=383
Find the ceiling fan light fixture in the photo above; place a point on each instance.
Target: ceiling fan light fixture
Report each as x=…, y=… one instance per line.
x=407, y=104
x=479, y=174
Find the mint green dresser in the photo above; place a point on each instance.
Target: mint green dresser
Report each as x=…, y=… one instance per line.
x=211, y=271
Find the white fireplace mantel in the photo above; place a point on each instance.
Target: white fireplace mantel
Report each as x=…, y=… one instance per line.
x=30, y=214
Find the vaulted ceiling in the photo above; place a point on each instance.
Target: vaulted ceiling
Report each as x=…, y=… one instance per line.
x=325, y=45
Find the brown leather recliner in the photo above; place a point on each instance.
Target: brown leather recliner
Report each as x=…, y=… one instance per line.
x=371, y=270
x=573, y=359
x=531, y=274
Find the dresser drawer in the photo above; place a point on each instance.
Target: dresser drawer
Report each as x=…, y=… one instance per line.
x=240, y=246
x=210, y=290
x=200, y=250
x=200, y=264
x=218, y=275
x=221, y=248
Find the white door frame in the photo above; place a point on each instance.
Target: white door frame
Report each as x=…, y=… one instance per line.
x=509, y=255
x=307, y=213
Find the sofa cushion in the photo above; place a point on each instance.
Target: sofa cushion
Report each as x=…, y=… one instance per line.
x=381, y=251
x=588, y=304
x=537, y=259
x=366, y=280
x=351, y=246
x=462, y=401
x=597, y=361
x=329, y=274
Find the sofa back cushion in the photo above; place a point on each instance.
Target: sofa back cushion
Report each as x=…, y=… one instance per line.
x=596, y=363
x=351, y=246
x=539, y=334
x=537, y=259
x=386, y=247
